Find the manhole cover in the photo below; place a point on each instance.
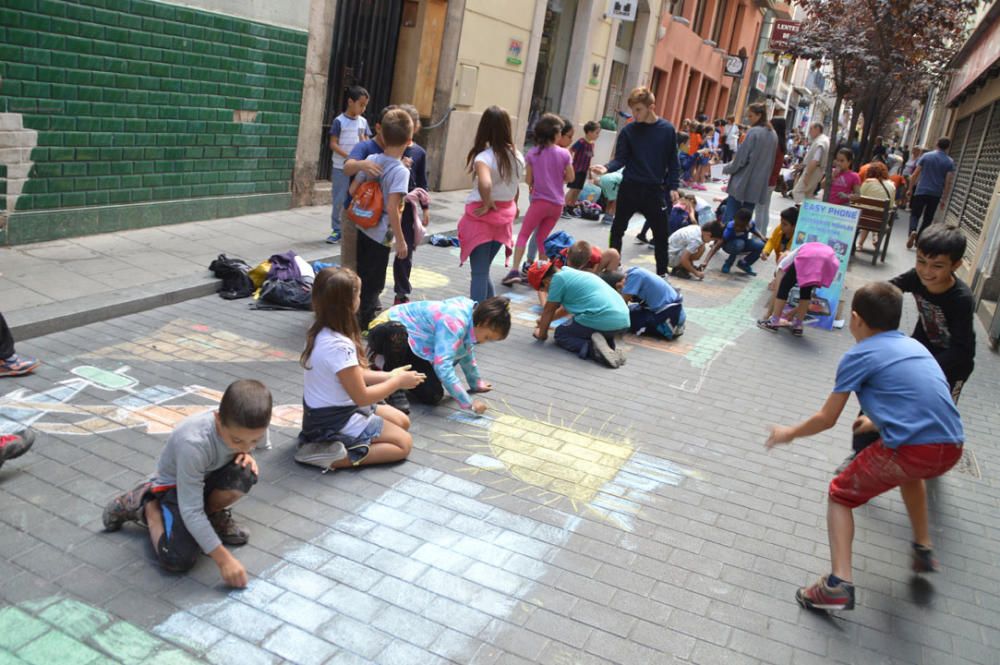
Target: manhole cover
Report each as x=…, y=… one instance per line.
x=968, y=464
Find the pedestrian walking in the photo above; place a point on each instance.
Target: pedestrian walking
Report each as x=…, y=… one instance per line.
x=812, y=170
x=751, y=168
x=930, y=184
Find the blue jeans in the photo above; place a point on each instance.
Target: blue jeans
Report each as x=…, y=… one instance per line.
x=480, y=260
x=340, y=183
x=752, y=247
x=732, y=205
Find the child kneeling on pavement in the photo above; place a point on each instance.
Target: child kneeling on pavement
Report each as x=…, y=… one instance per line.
x=341, y=424
x=433, y=336
x=890, y=373
x=739, y=238
x=655, y=307
x=205, y=468
x=599, y=313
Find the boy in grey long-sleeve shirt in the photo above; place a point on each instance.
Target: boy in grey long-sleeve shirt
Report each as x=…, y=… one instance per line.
x=204, y=469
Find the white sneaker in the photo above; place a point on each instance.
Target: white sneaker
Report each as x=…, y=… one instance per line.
x=602, y=351
x=321, y=454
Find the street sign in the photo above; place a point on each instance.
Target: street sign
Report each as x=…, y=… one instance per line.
x=735, y=66
x=761, y=84
x=781, y=32
x=623, y=10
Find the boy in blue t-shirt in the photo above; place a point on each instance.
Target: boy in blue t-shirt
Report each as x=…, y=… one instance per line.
x=891, y=374
x=655, y=307
x=599, y=313
x=347, y=130
x=738, y=238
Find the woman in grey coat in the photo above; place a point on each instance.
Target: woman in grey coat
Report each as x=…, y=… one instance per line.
x=751, y=167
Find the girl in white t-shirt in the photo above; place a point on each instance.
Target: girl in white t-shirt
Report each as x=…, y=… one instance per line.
x=341, y=424
x=490, y=209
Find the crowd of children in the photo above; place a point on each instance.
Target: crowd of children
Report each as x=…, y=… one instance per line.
x=357, y=391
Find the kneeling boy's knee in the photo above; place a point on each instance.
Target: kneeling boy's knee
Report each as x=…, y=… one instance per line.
x=175, y=558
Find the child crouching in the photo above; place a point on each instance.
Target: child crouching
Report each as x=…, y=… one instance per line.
x=655, y=307
x=807, y=266
x=341, y=426
x=433, y=336
x=205, y=468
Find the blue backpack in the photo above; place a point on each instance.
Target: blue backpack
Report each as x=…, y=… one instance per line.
x=556, y=243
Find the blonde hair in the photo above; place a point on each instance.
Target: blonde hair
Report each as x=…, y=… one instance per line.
x=641, y=95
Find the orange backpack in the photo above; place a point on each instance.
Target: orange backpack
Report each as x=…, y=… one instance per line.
x=366, y=205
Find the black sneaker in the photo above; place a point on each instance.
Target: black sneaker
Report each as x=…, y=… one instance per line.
x=641, y=239
x=923, y=560
x=127, y=507
x=229, y=531
x=399, y=400
x=602, y=352
x=680, y=273
x=13, y=446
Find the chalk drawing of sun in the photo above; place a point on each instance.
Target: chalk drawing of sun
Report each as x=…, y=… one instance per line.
x=601, y=473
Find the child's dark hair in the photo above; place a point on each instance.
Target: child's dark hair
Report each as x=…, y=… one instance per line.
x=567, y=126
x=397, y=128
x=714, y=228
x=612, y=278
x=590, y=126
x=879, y=304
x=381, y=114
x=494, y=313
x=578, y=255
x=847, y=153
x=942, y=240
x=682, y=138
x=743, y=215
x=790, y=215
x=546, y=129
x=246, y=403
x=333, y=295
x=494, y=132
x=356, y=92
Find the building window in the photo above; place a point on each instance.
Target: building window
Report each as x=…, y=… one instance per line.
x=720, y=16
x=698, y=23
x=625, y=36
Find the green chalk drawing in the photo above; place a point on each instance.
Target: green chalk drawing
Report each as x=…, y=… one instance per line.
x=68, y=632
x=102, y=378
x=723, y=324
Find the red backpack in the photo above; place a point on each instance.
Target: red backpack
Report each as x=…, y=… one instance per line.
x=366, y=205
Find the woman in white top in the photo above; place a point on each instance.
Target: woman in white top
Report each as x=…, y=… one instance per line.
x=876, y=186
x=490, y=209
x=341, y=426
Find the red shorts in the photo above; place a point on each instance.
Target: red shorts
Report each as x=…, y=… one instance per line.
x=878, y=469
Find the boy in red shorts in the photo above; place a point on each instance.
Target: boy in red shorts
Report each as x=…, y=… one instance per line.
x=891, y=374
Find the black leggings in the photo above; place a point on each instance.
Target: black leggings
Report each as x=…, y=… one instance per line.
x=391, y=341
x=788, y=282
x=6, y=340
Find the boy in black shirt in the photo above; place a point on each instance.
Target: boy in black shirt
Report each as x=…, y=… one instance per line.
x=944, y=302
x=946, y=308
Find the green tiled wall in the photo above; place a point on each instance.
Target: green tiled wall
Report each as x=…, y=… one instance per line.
x=133, y=102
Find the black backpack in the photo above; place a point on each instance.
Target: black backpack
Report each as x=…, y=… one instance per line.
x=234, y=273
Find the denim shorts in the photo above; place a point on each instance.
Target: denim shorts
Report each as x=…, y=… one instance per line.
x=359, y=446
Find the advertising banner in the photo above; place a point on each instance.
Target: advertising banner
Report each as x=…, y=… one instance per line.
x=835, y=226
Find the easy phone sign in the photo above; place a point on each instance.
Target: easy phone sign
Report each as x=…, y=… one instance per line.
x=835, y=226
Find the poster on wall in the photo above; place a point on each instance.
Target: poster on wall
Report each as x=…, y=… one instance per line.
x=623, y=10
x=833, y=225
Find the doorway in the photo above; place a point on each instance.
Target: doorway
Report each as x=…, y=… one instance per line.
x=553, y=54
x=365, y=35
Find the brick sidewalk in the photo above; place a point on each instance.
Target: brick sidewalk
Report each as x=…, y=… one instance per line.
x=596, y=516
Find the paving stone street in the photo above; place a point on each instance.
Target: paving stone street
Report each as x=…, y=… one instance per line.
x=627, y=516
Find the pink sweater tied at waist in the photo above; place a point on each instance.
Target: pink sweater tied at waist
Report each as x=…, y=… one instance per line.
x=493, y=226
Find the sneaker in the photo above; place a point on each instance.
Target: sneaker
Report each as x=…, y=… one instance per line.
x=512, y=278
x=843, y=465
x=228, y=530
x=524, y=271
x=565, y=214
x=911, y=240
x=333, y=238
x=923, y=560
x=797, y=327
x=399, y=400
x=771, y=323
x=602, y=352
x=745, y=267
x=680, y=273
x=727, y=266
x=641, y=239
x=607, y=219
x=320, y=454
x=820, y=596
x=400, y=300
x=18, y=365
x=127, y=507
x=14, y=445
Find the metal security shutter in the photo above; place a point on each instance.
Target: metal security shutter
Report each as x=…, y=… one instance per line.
x=963, y=171
x=985, y=177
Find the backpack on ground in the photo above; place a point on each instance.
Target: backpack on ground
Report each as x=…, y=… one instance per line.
x=236, y=282
x=284, y=294
x=366, y=205
x=556, y=243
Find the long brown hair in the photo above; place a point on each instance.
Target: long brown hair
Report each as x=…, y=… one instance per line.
x=333, y=294
x=494, y=132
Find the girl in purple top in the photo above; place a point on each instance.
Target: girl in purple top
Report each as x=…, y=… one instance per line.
x=548, y=169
